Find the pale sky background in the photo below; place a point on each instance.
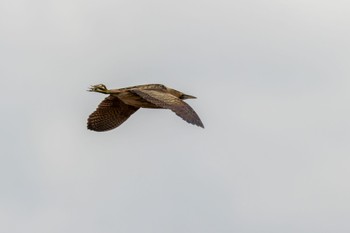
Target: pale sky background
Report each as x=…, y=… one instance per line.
x=272, y=80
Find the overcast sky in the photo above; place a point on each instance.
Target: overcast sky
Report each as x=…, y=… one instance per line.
x=272, y=80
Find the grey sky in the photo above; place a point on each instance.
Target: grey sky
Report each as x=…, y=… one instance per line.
x=272, y=81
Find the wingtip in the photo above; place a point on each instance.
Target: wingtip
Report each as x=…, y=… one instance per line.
x=201, y=125
x=198, y=123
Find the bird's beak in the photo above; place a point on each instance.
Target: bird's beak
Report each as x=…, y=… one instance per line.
x=184, y=96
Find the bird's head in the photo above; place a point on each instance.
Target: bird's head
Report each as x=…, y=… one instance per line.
x=179, y=94
x=185, y=96
x=99, y=88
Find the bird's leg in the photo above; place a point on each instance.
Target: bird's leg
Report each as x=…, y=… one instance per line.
x=99, y=88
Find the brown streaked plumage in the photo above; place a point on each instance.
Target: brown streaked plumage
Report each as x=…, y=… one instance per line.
x=122, y=103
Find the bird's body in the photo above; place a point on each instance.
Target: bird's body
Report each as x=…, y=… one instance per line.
x=122, y=103
x=130, y=98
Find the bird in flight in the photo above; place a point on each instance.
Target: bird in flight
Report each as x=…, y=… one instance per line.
x=122, y=103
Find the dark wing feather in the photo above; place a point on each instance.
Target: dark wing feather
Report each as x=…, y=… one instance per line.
x=110, y=113
x=168, y=101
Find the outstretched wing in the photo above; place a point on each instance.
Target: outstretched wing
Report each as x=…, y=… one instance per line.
x=110, y=113
x=168, y=101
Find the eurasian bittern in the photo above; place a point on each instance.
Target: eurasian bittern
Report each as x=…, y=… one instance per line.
x=122, y=103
